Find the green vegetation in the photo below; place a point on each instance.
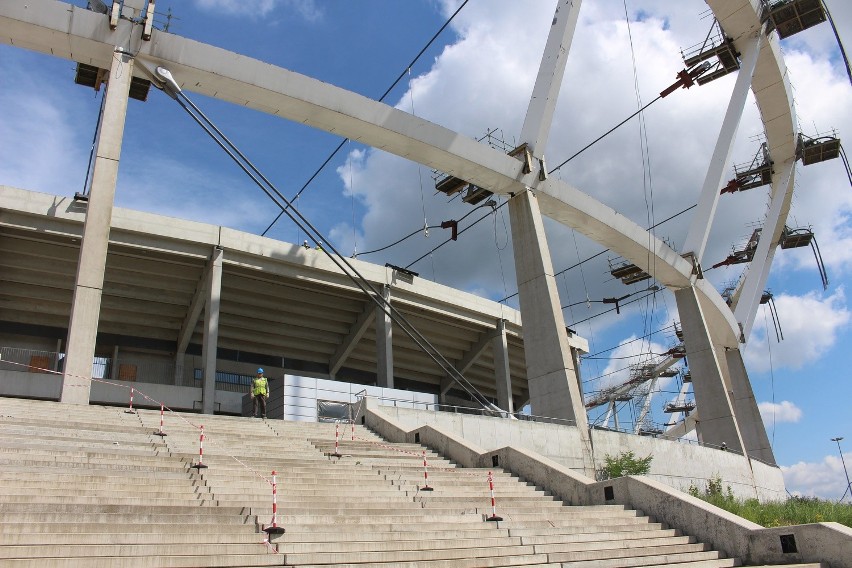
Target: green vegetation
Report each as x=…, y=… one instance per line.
x=793, y=511
x=625, y=463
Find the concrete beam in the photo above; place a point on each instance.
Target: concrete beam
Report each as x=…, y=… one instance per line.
x=364, y=321
x=469, y=358
x=199, y=298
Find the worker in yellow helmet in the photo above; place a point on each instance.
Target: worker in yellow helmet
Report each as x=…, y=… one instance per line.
x=259, y=393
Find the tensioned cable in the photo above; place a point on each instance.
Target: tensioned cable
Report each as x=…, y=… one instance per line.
x=604, y=135
x=94, y=140
x=354, y=228
x=413, y=262
x=350, y=271
x=611, y=310
x=382, y=98
x=667, y=219
x=839, y=43
x=628, y=342
x=414, y=232
x=771, y=374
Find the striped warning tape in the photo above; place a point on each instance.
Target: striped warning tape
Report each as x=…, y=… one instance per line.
x=133, y=389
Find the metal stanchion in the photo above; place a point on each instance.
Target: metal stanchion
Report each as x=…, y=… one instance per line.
x=493, y=516
x=200, y=464
x=425, y=475
x=130, y=410
x=274, y=529
x=160, y=432
x=336, y=453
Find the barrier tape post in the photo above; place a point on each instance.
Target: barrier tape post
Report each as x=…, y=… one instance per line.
x=160, y=432
x=426, y=475
x=353, y=430
x=274, y=529
x=493, y=516
x=201, y=464
x=336, y=453
x=130, y=410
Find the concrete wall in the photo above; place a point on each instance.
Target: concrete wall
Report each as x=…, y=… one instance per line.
x=830, y=543
x=559, y=443
x=295, y=398
x=48, y=386
x=676, y=464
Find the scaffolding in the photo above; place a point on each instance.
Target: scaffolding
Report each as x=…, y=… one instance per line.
x=753, y=174
x=450, y=185
x=743, y=254
x=718, y=50
x=789, y=17
x=817, y=149
x=627, y=272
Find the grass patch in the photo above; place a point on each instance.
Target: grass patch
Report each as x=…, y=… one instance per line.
x=793, y=511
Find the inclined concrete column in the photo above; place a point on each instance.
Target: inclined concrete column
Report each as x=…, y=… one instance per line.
x=500, y=350
x=713, y=394
x=211, y=333
x=748, y=415
x=551, y=374
x=384, y=345
x=702, y=221
x=88, y=286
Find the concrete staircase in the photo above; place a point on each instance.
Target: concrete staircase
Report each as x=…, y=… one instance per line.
x=94, y=486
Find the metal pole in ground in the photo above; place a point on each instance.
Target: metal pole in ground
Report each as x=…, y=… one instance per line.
x=200, y=464
x=160, y=432
x=425, y=474
x=493, y=516
x=130, y=410
x=336, y=453
x=274, y=529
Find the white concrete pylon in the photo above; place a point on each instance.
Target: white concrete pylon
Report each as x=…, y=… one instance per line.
x=552, y=377
x=702, y=220
x=539, y=117
x=88, y=287
x=211, y=332
x=754, y=283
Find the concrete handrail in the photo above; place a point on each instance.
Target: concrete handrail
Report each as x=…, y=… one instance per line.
x=818, y=542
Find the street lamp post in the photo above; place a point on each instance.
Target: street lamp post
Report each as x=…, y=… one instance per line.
x=848, y=484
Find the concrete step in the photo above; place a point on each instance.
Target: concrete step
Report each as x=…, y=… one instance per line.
x=263, y=558
x=635, y=557
x=400, y=556
x=168, y=536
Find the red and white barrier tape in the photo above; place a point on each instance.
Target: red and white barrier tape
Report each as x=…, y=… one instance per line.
x=210, y=441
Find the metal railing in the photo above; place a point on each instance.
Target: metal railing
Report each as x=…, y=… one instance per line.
x=455, y=409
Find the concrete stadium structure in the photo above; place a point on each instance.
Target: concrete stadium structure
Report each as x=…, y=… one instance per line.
x=167, y=272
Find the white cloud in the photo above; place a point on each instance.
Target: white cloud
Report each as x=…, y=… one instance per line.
x=784, y=411
x=824, y=479
x=306, y=9
x=811, y=323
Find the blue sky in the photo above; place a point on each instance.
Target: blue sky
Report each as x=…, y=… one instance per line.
x=477, y=77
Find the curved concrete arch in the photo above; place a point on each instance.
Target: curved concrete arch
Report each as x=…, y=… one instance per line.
x=61, y=30
x=66, y=31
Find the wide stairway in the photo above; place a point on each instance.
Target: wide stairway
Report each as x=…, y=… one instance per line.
x=90, y=486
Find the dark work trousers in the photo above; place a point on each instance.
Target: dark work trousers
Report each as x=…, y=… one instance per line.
x=261, y=400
